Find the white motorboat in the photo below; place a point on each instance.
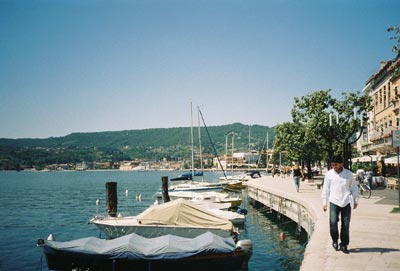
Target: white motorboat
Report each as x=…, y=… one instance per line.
x=178, y=217
x=194, y=186
x=211, y=199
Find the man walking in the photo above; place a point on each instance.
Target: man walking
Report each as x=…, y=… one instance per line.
x=339, y=186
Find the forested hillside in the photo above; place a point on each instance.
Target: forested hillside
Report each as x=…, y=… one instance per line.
x=156, y=144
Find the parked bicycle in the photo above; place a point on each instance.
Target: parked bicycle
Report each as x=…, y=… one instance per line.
x=364, y=190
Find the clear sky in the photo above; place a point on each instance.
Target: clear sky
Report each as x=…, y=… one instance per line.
x=87, y=66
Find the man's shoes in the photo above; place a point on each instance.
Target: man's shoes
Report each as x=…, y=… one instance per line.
x=344, y=249
x=335, y=245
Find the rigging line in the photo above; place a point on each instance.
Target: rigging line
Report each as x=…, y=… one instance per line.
x=259, y=157
x=212, y=143
x=200, y=150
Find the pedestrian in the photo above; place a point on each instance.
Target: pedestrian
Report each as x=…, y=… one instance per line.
x=360, y=175
x=297, y=174
x=339, y=189
x=369, y=174
x=288, y=170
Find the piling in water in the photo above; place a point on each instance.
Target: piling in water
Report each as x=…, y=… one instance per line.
x=164, y=185
x=112, y=199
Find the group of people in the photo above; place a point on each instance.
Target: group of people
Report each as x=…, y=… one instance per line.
x=297, y=173
x=362, y=174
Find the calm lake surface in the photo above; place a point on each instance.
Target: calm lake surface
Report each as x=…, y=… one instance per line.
x=35, y=204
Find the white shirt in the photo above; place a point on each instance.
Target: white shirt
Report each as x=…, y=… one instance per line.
x=338, y=187
x=360, y=172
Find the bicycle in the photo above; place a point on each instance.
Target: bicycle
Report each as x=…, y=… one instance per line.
x=364, y=190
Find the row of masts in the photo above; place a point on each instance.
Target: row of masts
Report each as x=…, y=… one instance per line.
x=266, y=141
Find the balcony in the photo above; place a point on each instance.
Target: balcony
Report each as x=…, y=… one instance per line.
x=382, y=145
x=395, y=102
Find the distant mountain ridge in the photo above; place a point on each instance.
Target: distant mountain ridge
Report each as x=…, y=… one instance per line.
x=146, y=144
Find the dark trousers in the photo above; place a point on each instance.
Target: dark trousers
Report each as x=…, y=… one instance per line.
x=297, y=182
x=370, y=183
x=345, y=215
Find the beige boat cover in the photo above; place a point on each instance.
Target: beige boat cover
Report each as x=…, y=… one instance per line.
x=180, y=212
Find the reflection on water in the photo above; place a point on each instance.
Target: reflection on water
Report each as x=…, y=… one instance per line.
x=264, y=227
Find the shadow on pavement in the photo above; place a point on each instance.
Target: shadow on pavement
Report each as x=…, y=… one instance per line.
x=373, y=249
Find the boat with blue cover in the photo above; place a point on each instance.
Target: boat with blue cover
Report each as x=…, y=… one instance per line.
x=134, y=252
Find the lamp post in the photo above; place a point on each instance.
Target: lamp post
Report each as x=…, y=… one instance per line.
x=345, y=134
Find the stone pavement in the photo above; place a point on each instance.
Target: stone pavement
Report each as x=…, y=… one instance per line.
x=374, y=231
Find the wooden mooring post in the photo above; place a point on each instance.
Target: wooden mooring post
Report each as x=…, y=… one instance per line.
x=112, y=198
x=164, y=185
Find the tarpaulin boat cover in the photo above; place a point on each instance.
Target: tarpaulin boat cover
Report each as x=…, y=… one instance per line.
x=181, y=212
x=136, y=247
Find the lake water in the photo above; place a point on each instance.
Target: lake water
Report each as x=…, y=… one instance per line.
x=35, y=204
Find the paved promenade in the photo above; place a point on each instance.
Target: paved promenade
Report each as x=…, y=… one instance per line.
x=374, y=231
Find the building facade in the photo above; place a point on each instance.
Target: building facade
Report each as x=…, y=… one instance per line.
x=384, y=89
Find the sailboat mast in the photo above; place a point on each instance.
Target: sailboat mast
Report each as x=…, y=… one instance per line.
x=233, y=148
x=267, y=153
x=200, y=150
x=248, y=162
x=249, y=137
x=191, y=133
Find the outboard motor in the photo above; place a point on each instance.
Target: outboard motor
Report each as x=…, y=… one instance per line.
x=241, y=211
x=246, y=245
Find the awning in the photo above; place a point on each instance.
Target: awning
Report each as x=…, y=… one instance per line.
x=391, y=160
x=375, y=135
x=388, y=131
x=366, y=158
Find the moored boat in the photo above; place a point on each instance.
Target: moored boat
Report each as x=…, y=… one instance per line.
x=178, y=217
x=134, y=252
x=208, y=197
x=193, y=186
x=188, y=176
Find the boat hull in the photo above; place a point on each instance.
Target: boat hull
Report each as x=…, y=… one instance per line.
x=133, y=252
x=236, y=260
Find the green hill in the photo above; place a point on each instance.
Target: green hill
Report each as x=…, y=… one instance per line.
x=156, y=144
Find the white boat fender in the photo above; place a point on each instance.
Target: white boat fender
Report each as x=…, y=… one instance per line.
x=245, y=244
x=97, y=202
x=51, y=237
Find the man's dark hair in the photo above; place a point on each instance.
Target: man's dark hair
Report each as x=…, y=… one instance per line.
x=337, y=159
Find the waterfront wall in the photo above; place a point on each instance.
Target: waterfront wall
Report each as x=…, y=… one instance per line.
x=285, y=206
x=305, y=208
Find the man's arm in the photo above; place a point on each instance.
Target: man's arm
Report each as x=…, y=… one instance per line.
x=325, y=192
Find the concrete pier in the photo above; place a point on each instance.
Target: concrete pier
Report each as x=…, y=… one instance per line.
x=374, y=231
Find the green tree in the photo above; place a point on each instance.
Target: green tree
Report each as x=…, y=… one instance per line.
x=395, y=37
x=310, y=134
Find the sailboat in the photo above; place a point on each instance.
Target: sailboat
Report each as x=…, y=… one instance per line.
x=188, y=176
x=192, y=185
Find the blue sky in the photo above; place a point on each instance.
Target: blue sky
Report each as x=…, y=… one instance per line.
x=89, y=66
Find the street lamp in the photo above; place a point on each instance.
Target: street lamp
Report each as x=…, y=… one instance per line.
x=345, y=134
